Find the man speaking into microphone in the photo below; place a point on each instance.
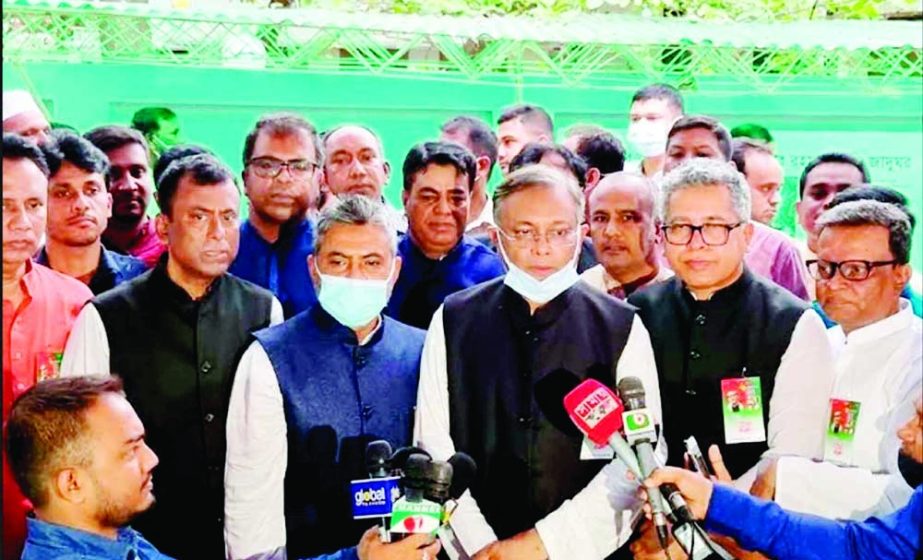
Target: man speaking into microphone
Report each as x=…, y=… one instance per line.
x=541, y=490
x=311, y=394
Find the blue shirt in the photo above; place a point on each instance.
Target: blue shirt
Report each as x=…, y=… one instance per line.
x=280, y=267
x=47, y=541
x=113, y=269
x=765, y=527
x=916, y=302
x=424, y=283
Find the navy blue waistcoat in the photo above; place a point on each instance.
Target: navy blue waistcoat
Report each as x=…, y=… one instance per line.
x=338, y=396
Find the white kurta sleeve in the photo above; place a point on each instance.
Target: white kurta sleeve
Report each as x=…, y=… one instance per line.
x=431, y=432
x=87, y=350
x=276, y=315
x=257, y=456
x=599, y=518
x=804, y=381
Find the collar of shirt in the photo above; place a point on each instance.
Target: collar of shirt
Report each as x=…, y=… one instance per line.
x=878, y=330
x=545, y=315
x=407, y=246
x=724, y=297
x=287, y=233
x=52, y=537
x=168, y=291
x=112, y=268
x=341, y=332
x=485, y=217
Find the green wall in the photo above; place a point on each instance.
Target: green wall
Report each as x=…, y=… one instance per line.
x=218, y=106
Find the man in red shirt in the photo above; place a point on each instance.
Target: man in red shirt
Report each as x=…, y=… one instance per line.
x=130, y=230
x=39, y=304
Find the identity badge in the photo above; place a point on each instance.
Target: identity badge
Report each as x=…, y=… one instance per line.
x=589, y=451
x=841, y=431
x=47, y=365
x=742, y=405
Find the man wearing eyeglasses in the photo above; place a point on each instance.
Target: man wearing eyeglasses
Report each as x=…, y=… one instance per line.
x=497, y=361
x=282, y=158
x=720, y=332
x=863, y=251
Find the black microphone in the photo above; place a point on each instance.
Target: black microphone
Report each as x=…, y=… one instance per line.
x=641, y=434
x=377, y=458
x=398, y=461
x=631, y=389
x=464, y=469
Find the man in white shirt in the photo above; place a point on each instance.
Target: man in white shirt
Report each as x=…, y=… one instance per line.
x=481, y=141
x=863, y=250
x=497, y=361
x=624, y=234
x=310, y=394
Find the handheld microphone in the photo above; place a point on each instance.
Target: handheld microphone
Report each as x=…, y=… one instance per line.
x=464, y=470
x=641, y=434
x=375, y=496
x=597, y=411
x=423, y=478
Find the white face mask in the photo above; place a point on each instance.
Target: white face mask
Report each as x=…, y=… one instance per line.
x=649, y=138
x=539, y=291
x=353, y=302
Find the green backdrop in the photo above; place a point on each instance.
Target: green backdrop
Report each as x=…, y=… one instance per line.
x=218, y=106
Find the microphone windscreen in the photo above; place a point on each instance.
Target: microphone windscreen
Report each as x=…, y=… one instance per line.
x=631, y=389
x=399, y=458
x=596, y=410
x=377, y=457
x=550, y=391
x=464, y=470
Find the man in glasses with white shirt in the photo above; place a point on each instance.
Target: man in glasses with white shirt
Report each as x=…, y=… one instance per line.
x=282, y=159
x=742, y=362
x=862, y=267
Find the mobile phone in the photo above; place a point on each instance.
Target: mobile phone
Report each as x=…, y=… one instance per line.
x=698, y=461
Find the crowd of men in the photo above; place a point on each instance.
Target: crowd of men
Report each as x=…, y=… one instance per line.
x=255, y=357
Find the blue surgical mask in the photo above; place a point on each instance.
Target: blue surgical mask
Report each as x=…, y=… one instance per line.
x=353, y=302
x=540, y=291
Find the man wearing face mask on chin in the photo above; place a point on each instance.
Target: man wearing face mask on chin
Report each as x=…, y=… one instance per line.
x=496, y=353
x=312, y=392
x=654, y=109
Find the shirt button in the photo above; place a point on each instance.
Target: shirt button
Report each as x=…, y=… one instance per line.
x=209, y=417
x=206, y=367
x=17, y=356
x=694, y=354
x=700, y=320
x=524, y=420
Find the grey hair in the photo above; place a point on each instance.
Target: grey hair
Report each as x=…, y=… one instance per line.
x=537, y=175
x=873, y=212
x=355, y=210
x=700, y=172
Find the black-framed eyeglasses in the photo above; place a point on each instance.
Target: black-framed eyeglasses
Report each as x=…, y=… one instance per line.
x=854, y=270
x=712, y=234
x=270, y=167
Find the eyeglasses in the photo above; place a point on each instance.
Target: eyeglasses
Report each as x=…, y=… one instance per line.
x=559, y=237
x=712, y=234
x=269, y=168
x=850, y=270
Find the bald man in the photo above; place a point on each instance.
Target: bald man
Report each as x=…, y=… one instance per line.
x=354, y=163
x=624, y=234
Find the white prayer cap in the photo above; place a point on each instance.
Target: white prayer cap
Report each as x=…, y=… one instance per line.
x=18, y=101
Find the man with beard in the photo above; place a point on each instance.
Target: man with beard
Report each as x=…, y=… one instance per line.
x=78, y=452
x=39, y=304
x=130, y=231
x=79, y=207
x=282, y=162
